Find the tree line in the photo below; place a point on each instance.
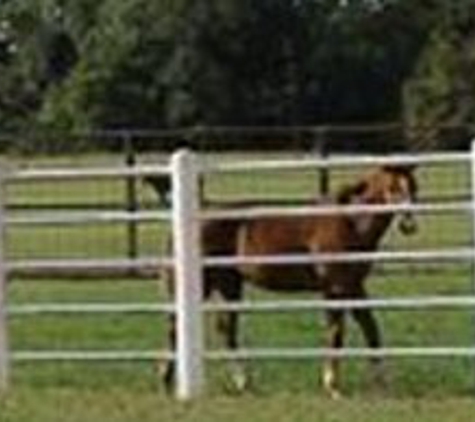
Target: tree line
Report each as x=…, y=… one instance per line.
x=86, y=65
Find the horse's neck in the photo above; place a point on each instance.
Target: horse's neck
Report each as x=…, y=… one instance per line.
x=375, y=230
x=370, y=228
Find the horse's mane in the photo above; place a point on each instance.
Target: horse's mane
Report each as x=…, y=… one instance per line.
x=348, y=192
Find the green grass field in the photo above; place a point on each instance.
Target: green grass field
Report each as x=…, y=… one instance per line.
x=420, y=389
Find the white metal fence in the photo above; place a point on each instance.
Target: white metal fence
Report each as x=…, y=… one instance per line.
x=186, y=217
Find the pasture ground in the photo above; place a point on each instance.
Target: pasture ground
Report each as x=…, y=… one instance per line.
x=122, y=405
x=420, y=389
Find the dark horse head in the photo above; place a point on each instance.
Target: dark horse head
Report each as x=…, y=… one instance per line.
x=390, y=184
x=162, y=185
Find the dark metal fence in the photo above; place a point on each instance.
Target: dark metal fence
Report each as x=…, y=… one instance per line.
x=129, y=147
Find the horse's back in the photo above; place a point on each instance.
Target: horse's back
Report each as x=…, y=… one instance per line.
x=271, y=237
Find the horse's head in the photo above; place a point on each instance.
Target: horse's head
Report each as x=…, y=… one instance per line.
x=396, y=184
x=392, y=184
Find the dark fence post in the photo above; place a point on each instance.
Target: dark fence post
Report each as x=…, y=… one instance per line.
x=196, y=142
x=131, y=197
x=320, y=146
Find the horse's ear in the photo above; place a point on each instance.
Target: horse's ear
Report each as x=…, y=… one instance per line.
x=346, y=194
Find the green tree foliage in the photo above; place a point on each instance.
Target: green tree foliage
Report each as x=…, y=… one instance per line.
x=44, y=53
x=441, y=92
x=197, y=63
x=88, y=64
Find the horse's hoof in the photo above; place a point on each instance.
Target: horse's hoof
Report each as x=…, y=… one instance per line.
x=239, y=380
x=335, y=394
x=379, y=377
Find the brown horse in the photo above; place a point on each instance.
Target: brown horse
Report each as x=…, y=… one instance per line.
x=310, y=234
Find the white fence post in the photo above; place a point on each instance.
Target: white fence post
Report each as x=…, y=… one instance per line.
x=4, y=347
x=188, y=275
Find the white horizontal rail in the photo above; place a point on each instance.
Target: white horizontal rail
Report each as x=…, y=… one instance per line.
x=242, y=354
x=90, y=355
x=448, y=302
x=264, y=211
x=421, y=303
x=67, y=174
x=104, y=217
x=231, y=166
x=89, y=308
x=88, y=264
x=453, y=254
x=84, y=217
x=313, y=353
x=332, y=162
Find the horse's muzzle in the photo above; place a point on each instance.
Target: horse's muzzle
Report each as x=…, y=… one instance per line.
x=408, y=224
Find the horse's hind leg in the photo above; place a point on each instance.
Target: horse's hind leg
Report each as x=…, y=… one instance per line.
x=168, y=373
x=331, y=366
x=230, y=287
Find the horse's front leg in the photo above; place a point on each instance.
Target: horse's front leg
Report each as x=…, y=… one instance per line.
x=331, y=366
x=228, y=323
x=371, y=333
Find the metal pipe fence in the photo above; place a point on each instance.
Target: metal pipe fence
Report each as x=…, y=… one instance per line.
x=187, y=260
